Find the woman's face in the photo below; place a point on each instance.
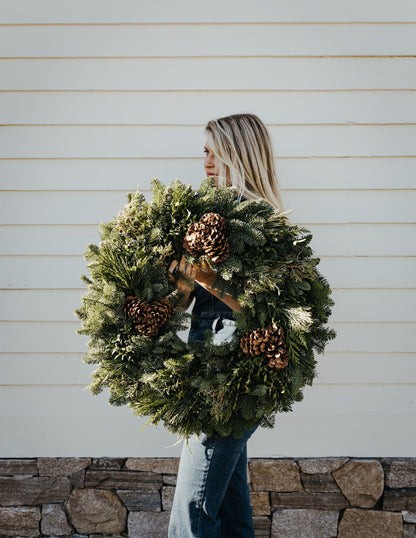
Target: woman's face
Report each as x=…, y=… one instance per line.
x=211, y=163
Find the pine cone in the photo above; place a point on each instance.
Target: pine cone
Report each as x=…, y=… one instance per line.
x=269, y=342
x=148, y=317
x=192, y=240
x=208, y=236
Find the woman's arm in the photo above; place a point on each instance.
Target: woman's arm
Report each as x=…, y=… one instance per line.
x=205, y=277
x=207, y=281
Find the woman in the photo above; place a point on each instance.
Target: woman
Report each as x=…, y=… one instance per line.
x=212, y=498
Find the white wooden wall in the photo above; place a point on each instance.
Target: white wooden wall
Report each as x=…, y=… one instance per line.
x=98, y=96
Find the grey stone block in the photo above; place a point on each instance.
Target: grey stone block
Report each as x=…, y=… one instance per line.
x=304, y=524
x=169, y=479
x=96, y=511
x=54, y=521
x=260, y=503
x=274, y=475
x=107, y=464
x=319, y=482
x=148, y=524
x=400, y=499
x=16, y=467
x=361, y=481
x=62, y=466
x=154, y=465
x=357, y=523
x=314, y=501
x=409, y=517
x=321, y=465
x=78, y=479
x=33, y=491
x=168, y=493
x=409, y=530
x=23, y=521
x=143, y=500
x=122, y=480
x=262, y=523
x=400, y=474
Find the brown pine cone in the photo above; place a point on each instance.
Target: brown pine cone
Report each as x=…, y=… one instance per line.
x=192, y=240
x=215, y=220
x=132, y=307
x=214, y=242
x=148, y=318
x=269, y=342
x=208, y=236
x=253, y=343
x=163, y=310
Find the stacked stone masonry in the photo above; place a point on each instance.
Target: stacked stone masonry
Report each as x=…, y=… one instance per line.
x=132, y=497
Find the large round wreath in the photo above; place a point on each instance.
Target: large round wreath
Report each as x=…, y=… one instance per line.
x=131, y=315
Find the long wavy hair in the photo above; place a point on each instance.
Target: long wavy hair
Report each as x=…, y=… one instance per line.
x=243, y=147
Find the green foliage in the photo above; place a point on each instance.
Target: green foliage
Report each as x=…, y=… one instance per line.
x=198, y=386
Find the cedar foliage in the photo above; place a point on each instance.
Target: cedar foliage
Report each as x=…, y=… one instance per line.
x=198, y=386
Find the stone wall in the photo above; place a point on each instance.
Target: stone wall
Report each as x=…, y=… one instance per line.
x=119, y=497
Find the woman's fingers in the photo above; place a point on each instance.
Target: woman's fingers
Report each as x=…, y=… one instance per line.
x=192, y=272
x=173, y=267
x=186, y=269
x=183, y=267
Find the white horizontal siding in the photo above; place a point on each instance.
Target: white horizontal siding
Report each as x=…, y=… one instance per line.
x=364, y=240
x=208, y=74
x=215, y=11
x=127, y=174
x=366, y=368
x=46, y=240
x=374, y=337
x=369, y=272
x=194, y=107
x=208, y=40
x=97, y=98
x=133, y=141
x=123, y=434
x=44, y=369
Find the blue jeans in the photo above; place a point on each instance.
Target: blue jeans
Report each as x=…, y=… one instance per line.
x=212, y=498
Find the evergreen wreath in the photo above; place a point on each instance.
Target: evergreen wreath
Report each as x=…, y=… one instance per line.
x=130, y=310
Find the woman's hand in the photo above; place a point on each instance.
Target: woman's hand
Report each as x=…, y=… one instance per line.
x=190, y=273
x=204, y=275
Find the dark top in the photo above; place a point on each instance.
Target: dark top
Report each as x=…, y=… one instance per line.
x=206, y=309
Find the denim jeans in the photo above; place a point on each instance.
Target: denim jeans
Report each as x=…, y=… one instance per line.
x=212, y=498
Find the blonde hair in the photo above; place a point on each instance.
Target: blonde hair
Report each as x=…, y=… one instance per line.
x=243, y=147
